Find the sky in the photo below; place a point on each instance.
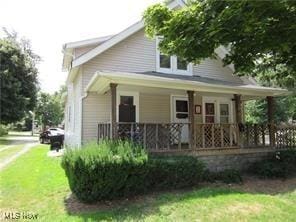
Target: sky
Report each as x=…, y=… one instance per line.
x=48, y=24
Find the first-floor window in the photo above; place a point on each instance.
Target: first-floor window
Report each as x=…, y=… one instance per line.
x=224, y=113
x=181, y=109
x=210, y=112
x=217, y=110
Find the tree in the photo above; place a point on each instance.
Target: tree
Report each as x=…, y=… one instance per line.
x=260, y=36
x=285, y=110
x=50, y=108
x=18, y=78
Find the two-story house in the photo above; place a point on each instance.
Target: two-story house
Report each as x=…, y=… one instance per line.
x=122, y=86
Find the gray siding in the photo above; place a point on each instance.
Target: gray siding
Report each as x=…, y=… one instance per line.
x=96, y=108
x=137, y=53
x=154, y=108
x=214, y=69
x=134, y=54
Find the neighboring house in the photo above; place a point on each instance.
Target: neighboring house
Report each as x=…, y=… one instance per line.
x=121, y=86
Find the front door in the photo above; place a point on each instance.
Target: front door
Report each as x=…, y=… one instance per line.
x=180, y=115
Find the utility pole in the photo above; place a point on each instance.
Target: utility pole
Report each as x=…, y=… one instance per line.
x=33, y=121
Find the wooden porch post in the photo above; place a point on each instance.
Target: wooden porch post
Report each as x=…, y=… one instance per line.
x=238, y=116
x=191, y=118
x=238, y=108
x=113, y=110
x=270, y=115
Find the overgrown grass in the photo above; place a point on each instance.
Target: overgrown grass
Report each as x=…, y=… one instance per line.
x=37, y=183
x=5, y=153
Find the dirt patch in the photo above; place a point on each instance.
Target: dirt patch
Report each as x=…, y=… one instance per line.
x=266, y=186
x=73, y=205
x=245, y=208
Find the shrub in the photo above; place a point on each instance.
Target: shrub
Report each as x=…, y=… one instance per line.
x=3, y=130
x=111, y=170
x=280, y=165
x=106, y=170
x=169, y=172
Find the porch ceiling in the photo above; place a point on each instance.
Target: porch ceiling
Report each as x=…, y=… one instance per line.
x=101, y=80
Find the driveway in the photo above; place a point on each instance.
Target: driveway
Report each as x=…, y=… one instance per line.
x=17, y=138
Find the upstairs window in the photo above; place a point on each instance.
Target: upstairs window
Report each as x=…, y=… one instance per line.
x=182, y=64
x=164, y=61
x=171, y=64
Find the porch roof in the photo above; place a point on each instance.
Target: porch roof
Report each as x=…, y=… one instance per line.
x=101, y=80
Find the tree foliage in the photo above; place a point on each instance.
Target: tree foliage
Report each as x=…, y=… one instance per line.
x=50, y=108
x=18, y=72
x=255, y=110
x=260, y=36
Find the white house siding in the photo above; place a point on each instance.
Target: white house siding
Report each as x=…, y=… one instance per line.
x=73, y=124
x=154, y=108
x=96, y=108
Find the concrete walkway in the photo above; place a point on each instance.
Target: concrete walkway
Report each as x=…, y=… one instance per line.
x=18, y=139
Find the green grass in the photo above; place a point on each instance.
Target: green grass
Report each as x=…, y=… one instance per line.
x=36, y=183
x=5, y=153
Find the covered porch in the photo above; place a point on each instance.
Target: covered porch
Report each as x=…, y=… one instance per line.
x=205, y=114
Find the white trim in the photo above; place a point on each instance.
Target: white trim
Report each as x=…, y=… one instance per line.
x=136, y=102
x=87, y=42
x=101, y=80
x=173, y=59
x=172, y=105
x=217, y=101
x=180, y=71
x=117, y=38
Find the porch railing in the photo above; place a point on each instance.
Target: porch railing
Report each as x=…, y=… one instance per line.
x=216, y=135
x=175, y=136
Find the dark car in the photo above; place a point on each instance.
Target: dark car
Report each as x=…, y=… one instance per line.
x=44, y=137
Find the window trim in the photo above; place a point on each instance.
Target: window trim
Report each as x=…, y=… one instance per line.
x=217, y=101
x=136, y=102
x=174, y=69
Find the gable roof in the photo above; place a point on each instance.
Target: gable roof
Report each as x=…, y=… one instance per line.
x=68, y=48
x=118, y=38
x=87, y=42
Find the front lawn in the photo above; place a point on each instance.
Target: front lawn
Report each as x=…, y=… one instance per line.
x=37, y=183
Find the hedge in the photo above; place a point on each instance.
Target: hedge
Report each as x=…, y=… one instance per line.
x=280, y=165
x=3, y=130
x=110, y=170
